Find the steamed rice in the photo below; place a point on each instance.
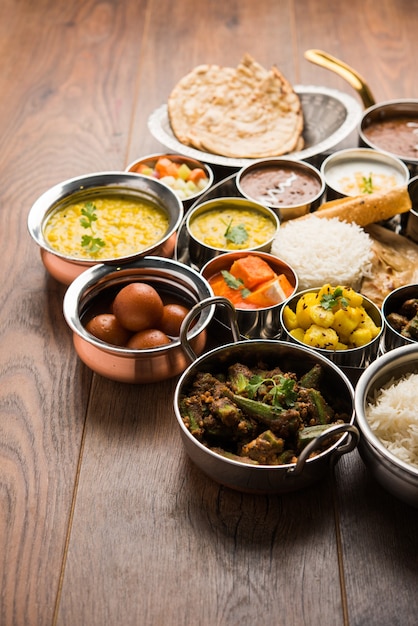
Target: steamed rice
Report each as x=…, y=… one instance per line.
x=393, y=417
x=323, y=251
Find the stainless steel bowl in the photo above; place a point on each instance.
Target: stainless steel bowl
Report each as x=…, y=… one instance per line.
x=396, y=476
x=200, y=252
x=100, y=283
x=296, y=171
x=151, y=159
x=390, y=110
x=339, y=170
x=391, y=304
x=253, y=323
x=266, y=478
x=353, y=357
x=82, y=188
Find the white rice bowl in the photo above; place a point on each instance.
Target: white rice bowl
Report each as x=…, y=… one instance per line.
x=322, y=251
x=393, y=417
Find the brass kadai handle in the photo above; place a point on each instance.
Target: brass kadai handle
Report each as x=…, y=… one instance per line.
x=329, y=62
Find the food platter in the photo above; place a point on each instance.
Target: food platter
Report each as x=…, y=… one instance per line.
x=330, y=116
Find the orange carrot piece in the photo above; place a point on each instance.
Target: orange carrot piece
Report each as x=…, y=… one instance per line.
x=166, y=167
x=252, y=270
x=196, y=174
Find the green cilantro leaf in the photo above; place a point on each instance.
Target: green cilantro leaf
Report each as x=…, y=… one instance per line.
x=236, y=234
x=367, y=184
x=88, y=217
x=235, y=283
x=331, y=300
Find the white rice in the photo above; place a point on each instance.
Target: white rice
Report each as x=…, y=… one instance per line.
x=393, y=417
x=323, y=251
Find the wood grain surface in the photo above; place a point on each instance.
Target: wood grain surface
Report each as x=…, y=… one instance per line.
x=103, y=518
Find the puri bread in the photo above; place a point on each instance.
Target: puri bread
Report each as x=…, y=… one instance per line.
x=242, y=112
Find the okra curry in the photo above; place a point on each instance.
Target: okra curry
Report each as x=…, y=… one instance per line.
x=258, y=415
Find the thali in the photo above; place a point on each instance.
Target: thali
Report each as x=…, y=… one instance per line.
x=330, y=116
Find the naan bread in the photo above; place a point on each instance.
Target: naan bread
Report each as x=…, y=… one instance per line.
x=242, y=112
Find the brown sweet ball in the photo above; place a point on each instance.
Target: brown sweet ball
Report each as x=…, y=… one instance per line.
x=106, y=327
x=138, y=306
x=173, y=315
x=146, y=339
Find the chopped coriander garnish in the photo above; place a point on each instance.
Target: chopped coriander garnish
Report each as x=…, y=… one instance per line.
x=367, y=184
x=90, y=242
x=235, y=283
x=282, y=390
x=331, y=300
x=236, y=234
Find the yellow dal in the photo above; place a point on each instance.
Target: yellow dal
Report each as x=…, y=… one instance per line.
x=127, y=225
x=210, y=226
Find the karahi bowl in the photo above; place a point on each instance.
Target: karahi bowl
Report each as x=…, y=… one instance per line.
x=66, y=266
x=269, y=479
x=93, y=291
x=184, y=186
x=395, y=475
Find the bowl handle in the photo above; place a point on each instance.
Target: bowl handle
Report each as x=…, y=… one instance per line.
x=315, y=443
x=196, y=310
x=323, y=59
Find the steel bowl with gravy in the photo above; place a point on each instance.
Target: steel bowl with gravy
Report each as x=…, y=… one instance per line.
x=105, y=217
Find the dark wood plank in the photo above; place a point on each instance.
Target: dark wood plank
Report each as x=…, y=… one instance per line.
x=155, y=541
x=380, y=549
x=219, y=33
x=104, y=519
x=65, y=110
x=376, y=39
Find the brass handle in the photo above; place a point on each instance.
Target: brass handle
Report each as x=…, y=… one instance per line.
x=323, y=59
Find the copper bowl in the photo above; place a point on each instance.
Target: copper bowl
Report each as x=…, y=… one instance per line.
x=184, y=192
x=268, y=479
x=100, y=284
x=66, y=268
x=261, y=323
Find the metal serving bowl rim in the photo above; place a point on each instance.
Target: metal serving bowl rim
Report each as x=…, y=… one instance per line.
x=270, y=162
x=382, y=105
x=364, y=384
x=239, y=200
x=273, y=342
x=89, y=279
x=45, y=204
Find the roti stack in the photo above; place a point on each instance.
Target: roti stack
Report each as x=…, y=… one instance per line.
x=242, y=112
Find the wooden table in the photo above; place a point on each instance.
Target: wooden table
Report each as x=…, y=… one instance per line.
x=103, y=519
